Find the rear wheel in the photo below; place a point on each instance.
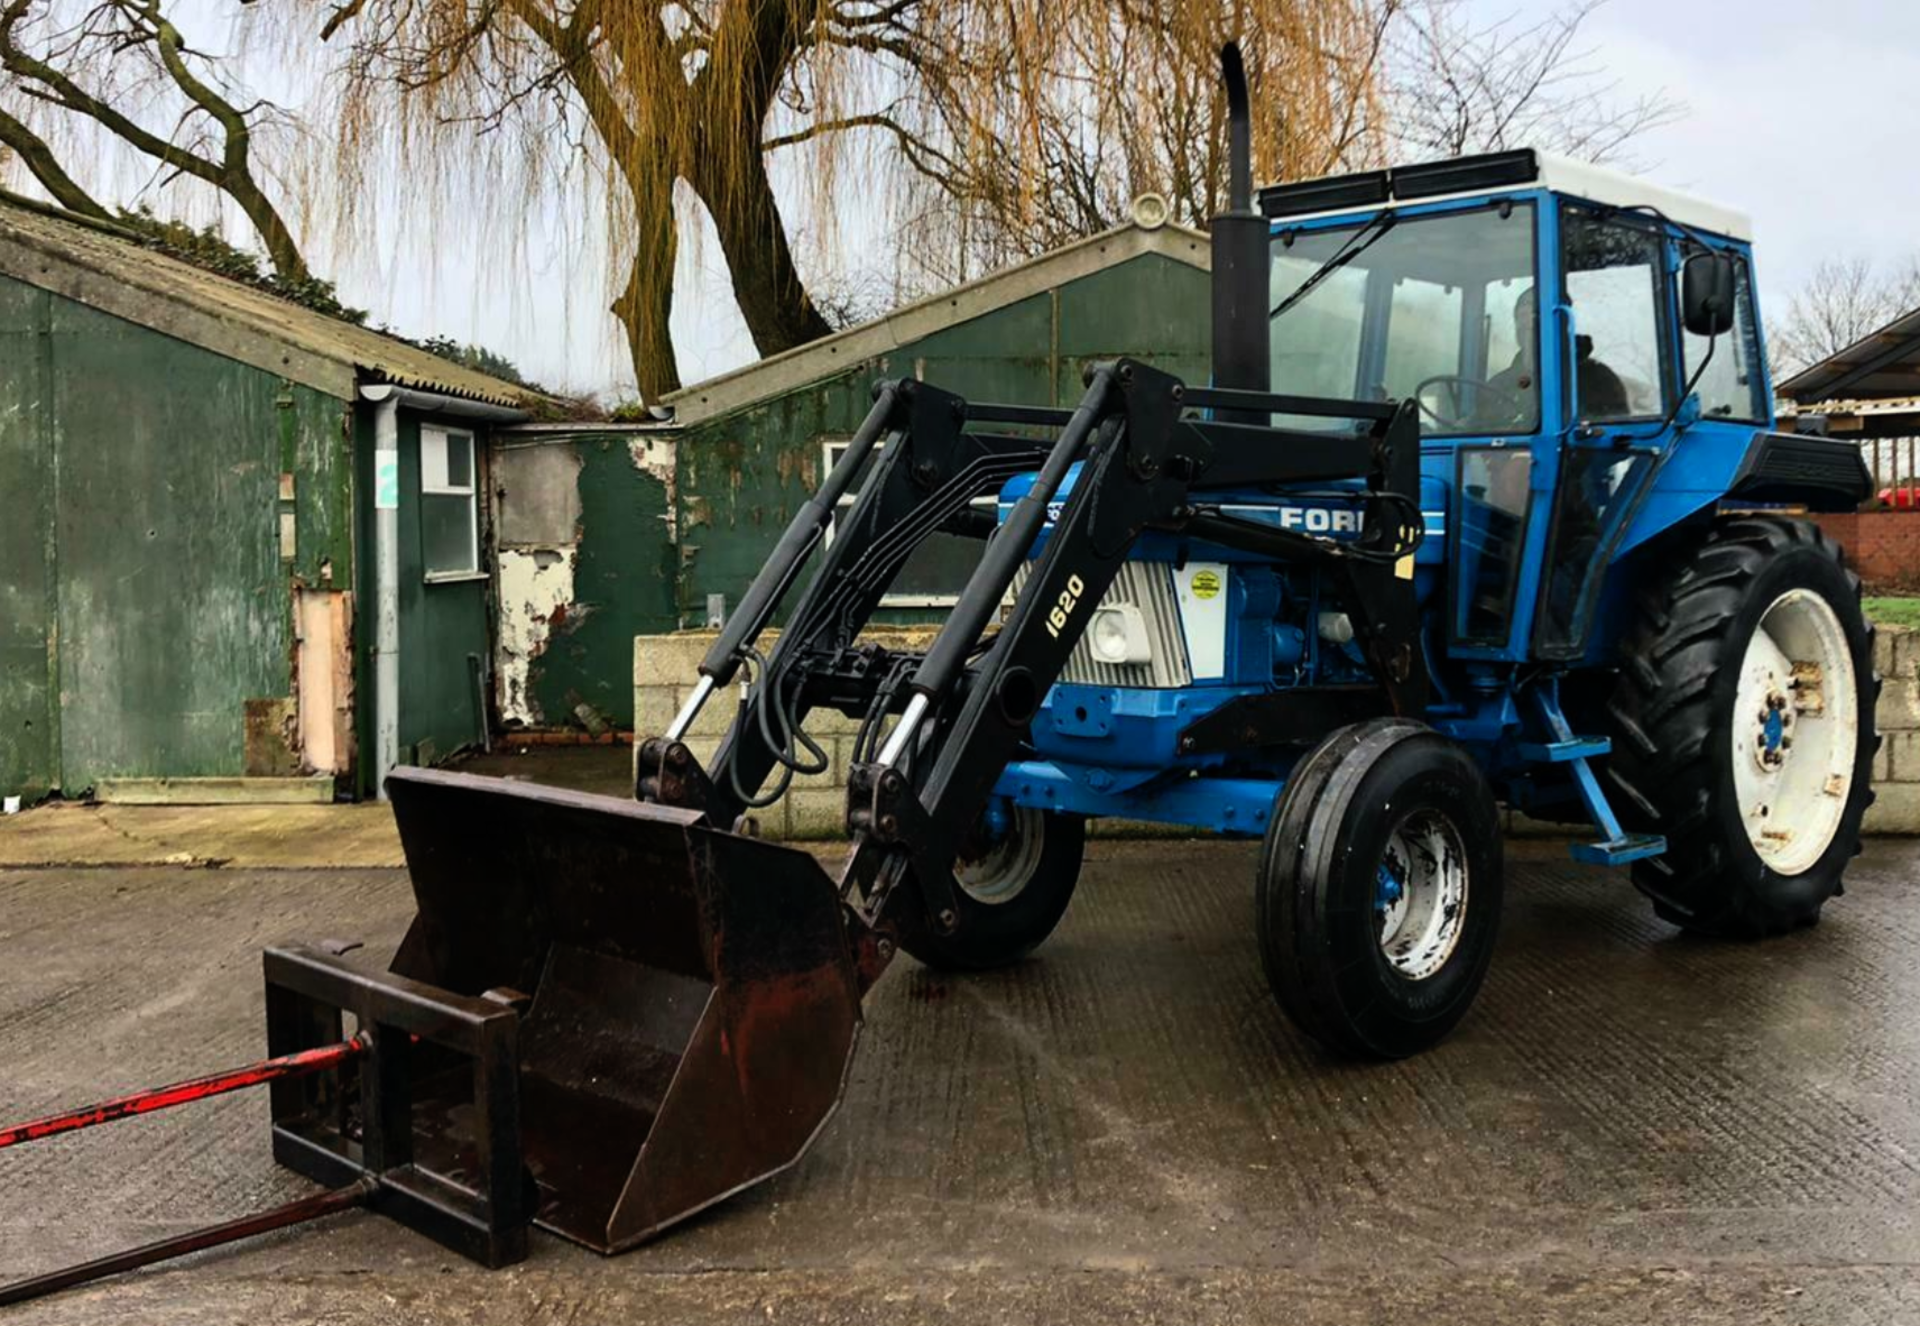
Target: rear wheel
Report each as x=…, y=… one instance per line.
x=1016, y=874
x=1380, y=888
x=1743, y=729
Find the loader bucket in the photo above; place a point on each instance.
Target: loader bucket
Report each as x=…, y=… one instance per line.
x=694, y=1001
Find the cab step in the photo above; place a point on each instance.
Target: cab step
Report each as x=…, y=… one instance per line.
x=1563, y=752
x=1616, y=847
x=1627, y=848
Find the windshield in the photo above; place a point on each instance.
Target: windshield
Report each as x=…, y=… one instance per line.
x=1439, y=306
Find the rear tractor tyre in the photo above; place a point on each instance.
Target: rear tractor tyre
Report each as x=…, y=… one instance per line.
x=1380, y=887
x=1742, y=728
x=1015, y=878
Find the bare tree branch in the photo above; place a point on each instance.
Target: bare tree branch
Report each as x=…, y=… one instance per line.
x=98, y=46
x=1844, y=300
x=39, y=159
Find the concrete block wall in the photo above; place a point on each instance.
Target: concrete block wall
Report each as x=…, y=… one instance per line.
x=1896, y=769
x=665, y=669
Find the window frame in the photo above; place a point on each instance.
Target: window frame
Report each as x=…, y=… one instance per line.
x=1370, y=356
x=1667, y=341
x=1459, y=638
x=831, y=447
x=444, y=435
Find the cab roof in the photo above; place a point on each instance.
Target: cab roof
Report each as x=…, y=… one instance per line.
x=1494, y=173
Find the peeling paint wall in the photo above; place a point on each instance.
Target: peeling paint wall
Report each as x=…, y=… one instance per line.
x=656, y=456
x=536, y=597
x=585, y=561
x=165, y=572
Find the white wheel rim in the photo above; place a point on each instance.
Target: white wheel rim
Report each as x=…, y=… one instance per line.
x=1796, y=731
x=1004, y=871
x=1420, y=928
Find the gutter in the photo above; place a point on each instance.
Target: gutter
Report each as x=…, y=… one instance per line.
x=431, y=402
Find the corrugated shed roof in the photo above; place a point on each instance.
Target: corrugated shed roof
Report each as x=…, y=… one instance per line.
x=96, y=265
x=1884, y=363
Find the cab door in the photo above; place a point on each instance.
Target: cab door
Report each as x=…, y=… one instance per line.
x=1617, y=386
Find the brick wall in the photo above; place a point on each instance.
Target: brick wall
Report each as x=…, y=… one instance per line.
x=1883, y=546
x=664, y=670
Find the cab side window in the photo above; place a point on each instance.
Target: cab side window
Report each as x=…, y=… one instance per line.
x=1613, y=272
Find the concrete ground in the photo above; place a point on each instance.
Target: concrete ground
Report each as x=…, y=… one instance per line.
x=1630, y=1127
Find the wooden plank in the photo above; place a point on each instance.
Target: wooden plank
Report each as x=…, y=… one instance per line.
x=215, y=791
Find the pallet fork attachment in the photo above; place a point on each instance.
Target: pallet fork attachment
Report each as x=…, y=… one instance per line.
x=359, y=1112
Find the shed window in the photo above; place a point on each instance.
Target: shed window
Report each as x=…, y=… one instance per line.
x=938, y=569
x=449, y=530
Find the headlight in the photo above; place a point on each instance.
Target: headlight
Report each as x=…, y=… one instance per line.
x=1118, y=634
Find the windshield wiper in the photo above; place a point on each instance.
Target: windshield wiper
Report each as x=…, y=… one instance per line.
x=1357, y=243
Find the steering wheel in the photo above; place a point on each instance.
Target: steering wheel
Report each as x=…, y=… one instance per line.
x=1453, y=382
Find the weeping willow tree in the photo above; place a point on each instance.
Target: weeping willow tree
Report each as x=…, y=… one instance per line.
x=986, y=128
x=1125, y=100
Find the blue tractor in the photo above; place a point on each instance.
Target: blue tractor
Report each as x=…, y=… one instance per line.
x=1484, y=504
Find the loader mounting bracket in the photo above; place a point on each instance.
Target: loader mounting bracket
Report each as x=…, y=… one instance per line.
x=882, y=804
x=668, y=773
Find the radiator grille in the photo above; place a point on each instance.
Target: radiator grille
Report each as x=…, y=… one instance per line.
x=1148, y=586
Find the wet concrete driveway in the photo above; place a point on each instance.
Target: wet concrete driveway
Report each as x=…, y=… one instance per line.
x=1630, y=1127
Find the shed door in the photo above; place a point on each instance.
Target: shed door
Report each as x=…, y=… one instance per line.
x=444, y=581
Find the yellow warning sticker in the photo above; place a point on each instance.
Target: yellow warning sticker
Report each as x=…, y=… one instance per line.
x=1206, y=584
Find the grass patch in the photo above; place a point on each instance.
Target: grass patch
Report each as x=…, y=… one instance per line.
x=1893, y=611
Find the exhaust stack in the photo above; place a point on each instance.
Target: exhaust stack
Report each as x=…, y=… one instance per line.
x=1240, y=357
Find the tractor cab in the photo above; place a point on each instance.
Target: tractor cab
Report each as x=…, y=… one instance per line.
x=1536, y=309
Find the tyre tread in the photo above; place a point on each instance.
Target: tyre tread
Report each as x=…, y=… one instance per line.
x=1662, y=720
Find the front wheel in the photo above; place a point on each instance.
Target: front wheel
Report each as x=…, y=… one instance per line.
x=1016, y=874
x=1380, y=888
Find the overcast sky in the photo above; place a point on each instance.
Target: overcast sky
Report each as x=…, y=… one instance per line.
x=1803, y=115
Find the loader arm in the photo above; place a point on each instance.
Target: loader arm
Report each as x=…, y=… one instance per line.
x=927, y=470
x=1145, y=467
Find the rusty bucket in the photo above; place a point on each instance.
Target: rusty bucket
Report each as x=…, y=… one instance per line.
x=694, y=998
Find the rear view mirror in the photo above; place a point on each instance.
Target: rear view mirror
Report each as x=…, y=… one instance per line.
x=1706, y=294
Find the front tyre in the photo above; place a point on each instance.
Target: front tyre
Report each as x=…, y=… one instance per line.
x=1016, y=874
x=1380, y=888
x=1743, y=728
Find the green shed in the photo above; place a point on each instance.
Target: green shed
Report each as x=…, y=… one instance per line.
x=239, y=540
x=611, y=533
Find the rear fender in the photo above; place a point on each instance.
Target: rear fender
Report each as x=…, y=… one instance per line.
x=1715, y=462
